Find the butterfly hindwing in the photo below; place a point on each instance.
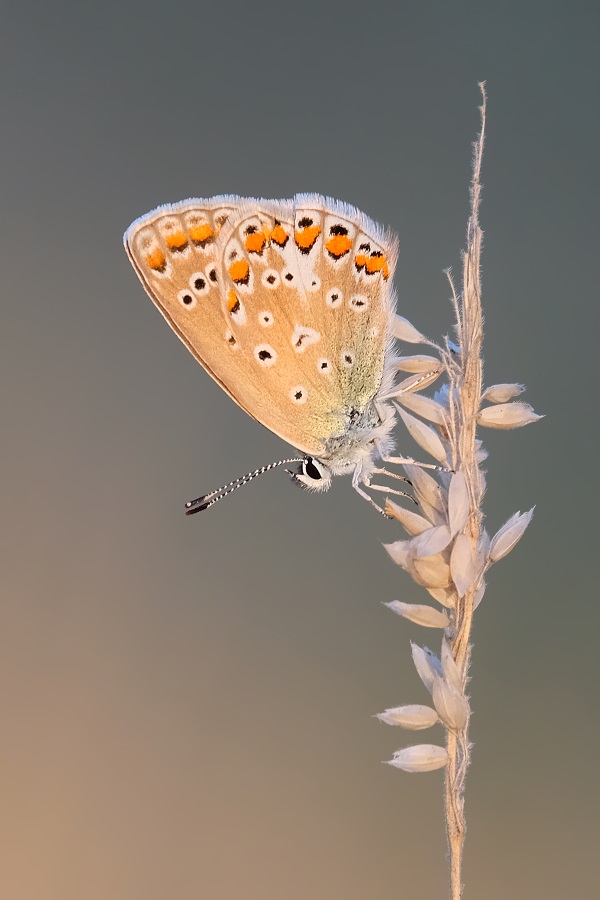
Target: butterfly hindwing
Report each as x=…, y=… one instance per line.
x=352, y=262
x=309, y=298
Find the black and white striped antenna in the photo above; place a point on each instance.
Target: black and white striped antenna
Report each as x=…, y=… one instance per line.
x=207, y=500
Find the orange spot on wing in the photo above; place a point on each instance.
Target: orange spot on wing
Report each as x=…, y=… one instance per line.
x=278, y=236
x=306, y=238
x=176, y=240
x=239, y=270
x=255, y=242
x=360, y=260
x=201, y=233
x=338, y=245
x=375, y=264
x=232, y=300
x=156, y=260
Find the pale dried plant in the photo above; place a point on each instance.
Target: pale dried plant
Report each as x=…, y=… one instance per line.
x=449, y=552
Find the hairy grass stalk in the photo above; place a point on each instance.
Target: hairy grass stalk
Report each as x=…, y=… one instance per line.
x=449, y=551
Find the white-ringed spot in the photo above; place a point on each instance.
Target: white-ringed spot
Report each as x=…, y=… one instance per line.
x=270, y=279
x=237, y=311
x=187, y=299
x=324, y=366
x=266, y=319
x=288, y=278
x=199, y=284
x=265, y=355
x=212, y=274
x=334, y=298
x=299, y=394
x=315, y=284
x=303, y=337
x=347, y=358
x=358, y=302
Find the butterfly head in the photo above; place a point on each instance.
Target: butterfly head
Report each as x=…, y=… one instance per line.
x=312, y=475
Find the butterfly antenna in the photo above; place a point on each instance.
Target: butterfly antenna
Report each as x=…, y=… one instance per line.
x=200, y=503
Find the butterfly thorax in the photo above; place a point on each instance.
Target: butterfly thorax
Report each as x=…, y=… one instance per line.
x=366, y=438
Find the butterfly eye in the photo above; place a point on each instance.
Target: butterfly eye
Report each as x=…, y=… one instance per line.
x=310, y=469
x=312, y=475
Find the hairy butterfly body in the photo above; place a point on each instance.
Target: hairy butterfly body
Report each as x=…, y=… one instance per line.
x=288, y=305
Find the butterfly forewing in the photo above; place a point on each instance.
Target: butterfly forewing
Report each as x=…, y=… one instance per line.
x=174, y=252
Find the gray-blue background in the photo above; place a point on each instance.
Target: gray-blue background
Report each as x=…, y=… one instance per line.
x=186, y=703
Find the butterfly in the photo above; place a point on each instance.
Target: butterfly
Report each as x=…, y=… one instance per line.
x=289, y=306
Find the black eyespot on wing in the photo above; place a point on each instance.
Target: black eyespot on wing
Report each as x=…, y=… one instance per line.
x=338, y=229
x=264, y=354
x=199, y=284
x=305, y=222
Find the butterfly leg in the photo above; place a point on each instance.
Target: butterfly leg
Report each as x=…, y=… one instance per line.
x=370, y=500
x=391, y=475
x=387, y=490
x=357, y=481
x=408, y=461
x=383, y=412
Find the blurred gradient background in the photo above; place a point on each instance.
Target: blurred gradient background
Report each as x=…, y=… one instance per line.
x=187, y=704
